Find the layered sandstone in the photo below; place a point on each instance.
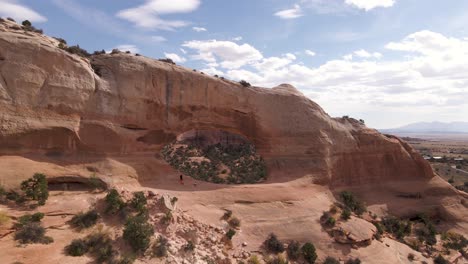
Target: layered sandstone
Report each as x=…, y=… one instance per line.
x=55, y=102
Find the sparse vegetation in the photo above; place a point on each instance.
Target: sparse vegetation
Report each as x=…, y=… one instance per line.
x=230, y=234
x=353, y=261
x=234, y=222
x=277, y=260
x=411, y=256
x=138, y=232
x=85, y=220
x=36, y=189
x=440, y=260
x=273, y=245
x=331, y=260
x=74, y=50
x=327, y=220
x=227, y=214
x=244, y=83
x=27, y=25
x=4, y=218
x=114, y=202
x=139, y=202
x=345, y=214
x=454, y=241
x=294, y=250
x=77, y=248
x=397, y=227
x=167, y=60
x=352, y=203
x=190, y=246
x=30, y=230
x=245, y=166
x=254, y=260
x=308, y=252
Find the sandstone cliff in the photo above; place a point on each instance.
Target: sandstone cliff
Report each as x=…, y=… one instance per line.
x=55, y=102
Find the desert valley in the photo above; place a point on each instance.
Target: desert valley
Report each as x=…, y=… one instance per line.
x=115, y=157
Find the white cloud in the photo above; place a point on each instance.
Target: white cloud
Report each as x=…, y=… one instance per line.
x=176, y=58
x=128, y=47
x=199, y=29
x=370, y=4
x=232, y=55
x=13, y=8
x=426, y=77
x=310, y=53
x=292, y=13
x=367, y=55
x=239, y=38
x=148, y=15
x=183, y=51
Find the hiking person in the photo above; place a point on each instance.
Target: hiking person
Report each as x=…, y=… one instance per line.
x=181, y=179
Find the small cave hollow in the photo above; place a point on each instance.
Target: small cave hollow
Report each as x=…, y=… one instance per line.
x=75, y=183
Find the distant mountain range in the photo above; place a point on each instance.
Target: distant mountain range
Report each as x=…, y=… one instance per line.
x=430, y=128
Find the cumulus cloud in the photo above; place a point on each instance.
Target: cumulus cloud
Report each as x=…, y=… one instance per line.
x=199, y=29
x=231, y=54
x=310, y=53
x=370, y=4
x=427, y=72
x=239, y=38
x=20, y=12
x=148, y=15
x=175, y=57
x=292, y=13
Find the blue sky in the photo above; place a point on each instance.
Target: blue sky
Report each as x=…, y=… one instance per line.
x=389, y=62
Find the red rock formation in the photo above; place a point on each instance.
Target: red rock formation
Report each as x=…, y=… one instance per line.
x=53, y=101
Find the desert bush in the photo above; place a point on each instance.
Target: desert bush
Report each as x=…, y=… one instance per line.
x=331, y=260
x=328, y=220
x=353, y=261
x=160, y=247
x=227, y=214
x=139, y=201
x=36, y=189
x=411, y=256
x=454, y=241
x=440, y=260
x=234, y=222
x=11, y=19
x=26, y=23
x=75, y=50
x=167, y=218
x=244, y=83
x=85, y=220
x=294, y=250
x=138, y=232
x=230, y=234
x=273, y=245
x=345, y=214
x=32, y=232
x=29, y=218
x=114, y=202
x=278, y=260
x=77, y=248
x=190, y=246
x=254, y=260
x=353, y=203
x=380, y=230
x=397, y=227
x=167, y=60
x=308, y=252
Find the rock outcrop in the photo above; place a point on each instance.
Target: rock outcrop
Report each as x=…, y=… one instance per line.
x=53, y=102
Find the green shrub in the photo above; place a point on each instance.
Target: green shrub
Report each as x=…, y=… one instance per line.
x=397, y=227
x=353, y=261
x=138, y=232
x=330, y=260
x=351, y=202
x=26, y=23
x=76, y=50
x=346, y=214
x=114, y=202
x=244, y=83
x=96, y=183
x=32, y=232
x=230, y=233
x=16, y=197
x=227, y=214
x=454, y=241
x=308, y=251
x=36, y=189
x=411, y=256
x=29, y=218
x=100, y=246
x=85, y=220
x=273, y=245
x=138, y=201
x=160, y=247
x=294, y=250
x=77, y=248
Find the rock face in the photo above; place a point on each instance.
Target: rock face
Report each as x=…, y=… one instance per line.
x=53, y=102
x=354, y=231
